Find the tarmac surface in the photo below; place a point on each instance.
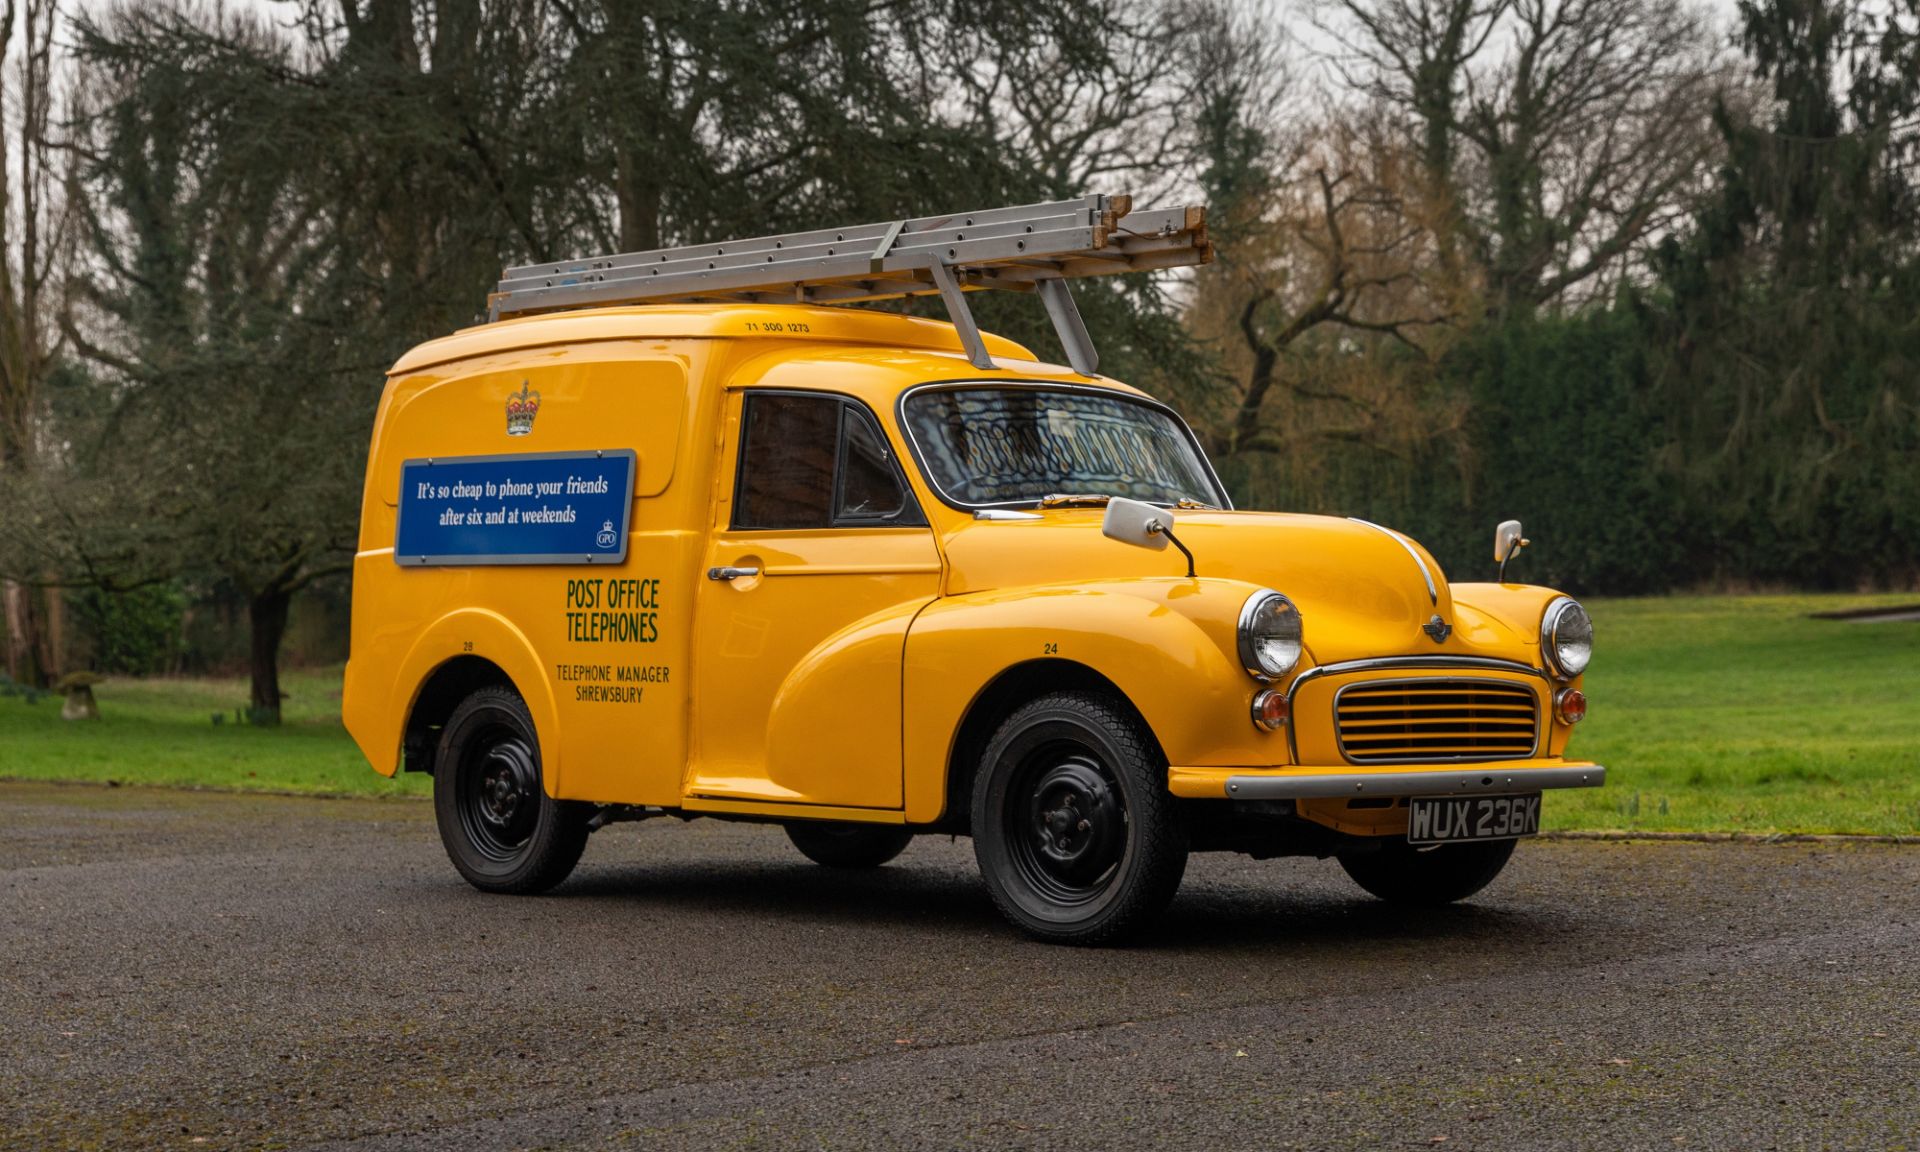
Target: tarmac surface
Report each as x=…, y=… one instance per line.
x=183, y=970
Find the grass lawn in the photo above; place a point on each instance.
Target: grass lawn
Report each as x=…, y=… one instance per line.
x=1711, y=713
x=1742, y=714
x=162, y=732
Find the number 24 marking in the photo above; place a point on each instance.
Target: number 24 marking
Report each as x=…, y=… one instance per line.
x=1049, y=649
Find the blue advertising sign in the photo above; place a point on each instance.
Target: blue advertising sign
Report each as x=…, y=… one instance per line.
x=533, y=508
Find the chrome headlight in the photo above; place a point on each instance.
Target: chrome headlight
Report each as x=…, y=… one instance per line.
x=1566, y=638
x=1269, y=634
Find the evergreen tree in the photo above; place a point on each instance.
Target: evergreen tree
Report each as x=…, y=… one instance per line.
x=1789, y=313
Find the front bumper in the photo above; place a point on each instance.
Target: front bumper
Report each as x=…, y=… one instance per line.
x=1310, y=783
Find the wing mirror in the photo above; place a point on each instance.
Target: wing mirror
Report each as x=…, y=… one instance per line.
x=1507, y=542
x=1143, y=526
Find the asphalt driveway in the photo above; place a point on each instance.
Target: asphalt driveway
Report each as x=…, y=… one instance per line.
x=217, y=971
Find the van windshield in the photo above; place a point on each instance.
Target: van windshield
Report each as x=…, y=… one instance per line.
x=991, y=446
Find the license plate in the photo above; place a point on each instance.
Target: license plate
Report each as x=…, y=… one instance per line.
x=1450, y=819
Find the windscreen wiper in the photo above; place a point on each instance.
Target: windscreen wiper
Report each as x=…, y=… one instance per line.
x=1070, y=499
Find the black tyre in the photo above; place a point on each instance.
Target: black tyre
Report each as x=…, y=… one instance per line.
x=501, y=829
x=1403, y=874
x=848, y=845
x=1076, y=834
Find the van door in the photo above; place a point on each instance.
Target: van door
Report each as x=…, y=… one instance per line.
x=821, y=559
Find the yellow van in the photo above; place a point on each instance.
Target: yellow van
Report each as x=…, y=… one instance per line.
x=867, y=575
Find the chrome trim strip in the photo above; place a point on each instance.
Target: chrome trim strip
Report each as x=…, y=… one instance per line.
x=1377, y=663
x=1433, y=592
x=1442, y=663
x=1431, y=783
x=1340, y=739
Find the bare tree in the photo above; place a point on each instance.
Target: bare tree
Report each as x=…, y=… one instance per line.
x=1118, y=126
x=34, y=240
x=1556, y=135
x=695, y=119
x=1337, y=263
x=1324, y=254
x=235, y=357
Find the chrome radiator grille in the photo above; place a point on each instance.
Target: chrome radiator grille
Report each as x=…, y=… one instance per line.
x=1403, y=721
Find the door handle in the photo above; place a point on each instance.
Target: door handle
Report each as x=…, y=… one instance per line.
x=731, y=573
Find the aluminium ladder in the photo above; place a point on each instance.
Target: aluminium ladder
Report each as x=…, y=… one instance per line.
x=1032, y=248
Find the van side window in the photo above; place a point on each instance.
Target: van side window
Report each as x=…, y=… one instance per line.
x=817, y=462
x=787, y=449
x=869, y=487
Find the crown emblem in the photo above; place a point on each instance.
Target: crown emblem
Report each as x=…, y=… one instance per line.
x=522, y=407
x=607, y=537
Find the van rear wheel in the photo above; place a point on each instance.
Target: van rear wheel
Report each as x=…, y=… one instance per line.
x=838, y=845
x=1076, y=834
x=500, y=828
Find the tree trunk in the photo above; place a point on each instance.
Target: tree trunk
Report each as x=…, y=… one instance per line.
x=638, y=196
x=53, y=635
x=267, y=623
x=23, y=635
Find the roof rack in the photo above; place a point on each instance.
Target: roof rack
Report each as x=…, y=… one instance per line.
x=1032, y=248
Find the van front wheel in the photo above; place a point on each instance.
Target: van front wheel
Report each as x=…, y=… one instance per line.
x=1400, y=873
x=1076, y=834
x=501, y=829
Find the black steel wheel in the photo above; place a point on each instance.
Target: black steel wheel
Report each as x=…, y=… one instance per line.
x=839, y=845
x=1402, y=873
x=500, y=828
x=1076, y=834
